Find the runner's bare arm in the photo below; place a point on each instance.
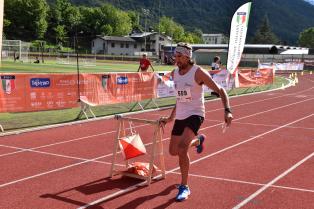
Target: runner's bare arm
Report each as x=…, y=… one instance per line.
x=203, y=77
x=152, y=67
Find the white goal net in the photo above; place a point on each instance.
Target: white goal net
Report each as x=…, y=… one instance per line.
x=15, y=50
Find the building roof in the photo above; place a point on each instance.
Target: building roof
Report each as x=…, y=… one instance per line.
x=212, y=34
x=296, y=51
x=224, y=46
x=140, y=35
x=117, y=38
x=211, y=50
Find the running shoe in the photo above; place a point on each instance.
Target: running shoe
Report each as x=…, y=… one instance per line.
x=183, y=193
x=200, y=147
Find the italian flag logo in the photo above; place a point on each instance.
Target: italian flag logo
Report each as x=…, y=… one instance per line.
x=241, y=17
x=8, y=83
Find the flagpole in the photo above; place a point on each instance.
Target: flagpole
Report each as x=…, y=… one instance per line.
x=228, y=77
x=237, y=36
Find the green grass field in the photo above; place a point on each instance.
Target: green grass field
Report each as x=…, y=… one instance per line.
x=52, y=67
x=14, y=121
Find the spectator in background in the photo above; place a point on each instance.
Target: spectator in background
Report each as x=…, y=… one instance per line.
x=166, y=59
x=144, y=64
x=216, y=63
x=36, y=60
x=15, y=56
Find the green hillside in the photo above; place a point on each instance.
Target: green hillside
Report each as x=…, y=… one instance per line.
x=287, y=17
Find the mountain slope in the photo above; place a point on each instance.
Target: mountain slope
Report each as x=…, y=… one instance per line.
x=287, y=17
x=310, y=1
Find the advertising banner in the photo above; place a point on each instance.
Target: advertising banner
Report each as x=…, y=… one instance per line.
x=287, y=66
x=37, y=92
x=112, y=88
x=252, y=78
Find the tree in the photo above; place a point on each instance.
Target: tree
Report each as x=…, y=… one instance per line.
x=27, y=18
x=65, y=21
x=171, y=28
x=122, y=23
x=105, y=20
x=306, y=38
x=176, y=31
x=106, y=30
x=60, y=33
x=135, y=20
x=6, y=22
x=264, y=34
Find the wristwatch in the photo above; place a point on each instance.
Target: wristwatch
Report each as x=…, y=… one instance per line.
x=228, y=110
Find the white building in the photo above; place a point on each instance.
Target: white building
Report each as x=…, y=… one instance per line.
x=133, y=44
x=114, y=45
x=214, y=38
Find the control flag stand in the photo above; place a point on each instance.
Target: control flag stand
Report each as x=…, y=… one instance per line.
x=155, y=150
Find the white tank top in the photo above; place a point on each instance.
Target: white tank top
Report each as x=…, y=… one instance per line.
x=190, y=96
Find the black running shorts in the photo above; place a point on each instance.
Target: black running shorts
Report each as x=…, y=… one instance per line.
x=194, y=122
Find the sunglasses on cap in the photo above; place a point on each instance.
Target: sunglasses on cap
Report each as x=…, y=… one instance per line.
x=185, y=45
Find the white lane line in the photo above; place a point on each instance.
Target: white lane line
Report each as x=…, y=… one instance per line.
x=107, y=155
x=144, y=111
x=54, y=154
x=246, y=182
x=53, y=144
x=143, y=125
x=64, y=142
x=30, y=149
x=72, y=123
x=270, y=125
x=252, y=196
x=103, y=199
x=261, y=124
x=258, y=113
x=47, y=172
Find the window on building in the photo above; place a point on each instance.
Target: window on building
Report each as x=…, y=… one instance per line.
x=135, y=46
x=112, y=45
x=93, y=43
x=122, y=45
x=126, y=45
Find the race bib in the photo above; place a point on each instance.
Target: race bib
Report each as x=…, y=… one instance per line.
x=184, y=95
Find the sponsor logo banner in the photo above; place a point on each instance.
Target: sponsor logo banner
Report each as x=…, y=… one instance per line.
x=122, y=80
x=36, y=92
x=252, y=78
x=8, y=83
x=40, y=82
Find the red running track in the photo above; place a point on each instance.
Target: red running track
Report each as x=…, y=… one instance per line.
x=264, y=160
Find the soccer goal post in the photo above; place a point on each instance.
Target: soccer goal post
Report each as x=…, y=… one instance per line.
x=15, y=50
x=87, y=60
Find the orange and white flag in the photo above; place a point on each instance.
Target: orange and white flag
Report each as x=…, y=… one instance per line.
x=132, y=146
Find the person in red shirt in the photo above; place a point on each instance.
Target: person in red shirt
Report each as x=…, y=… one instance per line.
x=144, y=64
